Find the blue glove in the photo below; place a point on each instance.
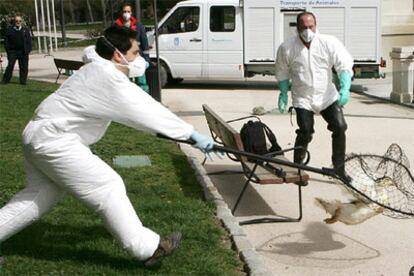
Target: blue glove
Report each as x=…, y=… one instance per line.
x=204, y=143
x=283, y=96
x=345, y=83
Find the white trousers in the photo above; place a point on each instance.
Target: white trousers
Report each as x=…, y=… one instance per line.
x=71, y=167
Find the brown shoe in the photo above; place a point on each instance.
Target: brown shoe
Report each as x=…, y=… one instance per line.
x=167, y=245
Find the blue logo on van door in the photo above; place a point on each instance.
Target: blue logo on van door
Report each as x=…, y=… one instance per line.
x=176, y=41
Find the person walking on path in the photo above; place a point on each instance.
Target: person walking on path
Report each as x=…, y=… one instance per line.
x=58, y=158
x=307, y=59
x=18, y=45
x=129, y=21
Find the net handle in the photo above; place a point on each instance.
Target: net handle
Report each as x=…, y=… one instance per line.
x=324, y=171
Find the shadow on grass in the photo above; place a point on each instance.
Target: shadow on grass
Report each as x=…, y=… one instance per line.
x=186, y=175
x=81, y=245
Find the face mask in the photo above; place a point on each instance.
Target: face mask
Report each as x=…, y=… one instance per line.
x=136, y=68
x=126, y=16
x=307, y=35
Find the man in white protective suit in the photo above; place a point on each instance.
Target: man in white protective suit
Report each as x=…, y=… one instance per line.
x=57, y=138
x=307, y=59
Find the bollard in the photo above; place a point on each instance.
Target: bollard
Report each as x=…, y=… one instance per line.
x=403, y=74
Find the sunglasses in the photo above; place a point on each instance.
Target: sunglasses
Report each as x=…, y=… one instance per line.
x=18, y=21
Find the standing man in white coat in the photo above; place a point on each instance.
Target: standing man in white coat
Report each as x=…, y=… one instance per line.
x=307, y=60
x=56, y=146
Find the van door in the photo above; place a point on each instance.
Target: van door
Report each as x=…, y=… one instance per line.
x=181, y=42
x=224, y=50
x=289, y=24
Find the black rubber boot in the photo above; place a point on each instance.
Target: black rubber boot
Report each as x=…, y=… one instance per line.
x=305, y=121
x=299, y=158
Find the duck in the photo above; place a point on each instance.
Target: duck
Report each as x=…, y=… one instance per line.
x=358, y=209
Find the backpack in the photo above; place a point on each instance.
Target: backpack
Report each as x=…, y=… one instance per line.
x=254, y=135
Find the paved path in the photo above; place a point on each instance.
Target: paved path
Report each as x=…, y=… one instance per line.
x=69, y=34
x=380, y=246
x=309, y=247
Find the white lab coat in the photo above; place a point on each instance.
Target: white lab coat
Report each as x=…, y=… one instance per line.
x=58, y=159
x=310, y=70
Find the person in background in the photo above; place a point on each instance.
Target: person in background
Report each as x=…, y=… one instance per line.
x=18, y=45
x=129, y=21
x=307, y=60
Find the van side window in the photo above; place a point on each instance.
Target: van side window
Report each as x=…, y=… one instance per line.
x=185, y=19
x=222, y=19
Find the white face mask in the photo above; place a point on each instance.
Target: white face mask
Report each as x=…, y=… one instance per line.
x=126, y=16
x=307, y=35
x=136, y=68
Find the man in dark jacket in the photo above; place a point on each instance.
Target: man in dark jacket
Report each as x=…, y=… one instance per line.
x=18, y=44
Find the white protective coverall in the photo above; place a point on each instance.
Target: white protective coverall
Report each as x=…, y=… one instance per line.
x=58, y=159
x=311, y=70
x=89, y=54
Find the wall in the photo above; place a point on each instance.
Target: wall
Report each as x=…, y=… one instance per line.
x=397, y=27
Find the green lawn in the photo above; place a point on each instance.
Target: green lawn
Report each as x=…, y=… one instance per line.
x=71, y=240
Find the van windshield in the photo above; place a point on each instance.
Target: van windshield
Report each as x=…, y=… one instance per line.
x=184, y=19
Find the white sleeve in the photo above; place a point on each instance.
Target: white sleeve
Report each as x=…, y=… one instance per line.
x=118, y=99
x=282, y=65
x=342, y=59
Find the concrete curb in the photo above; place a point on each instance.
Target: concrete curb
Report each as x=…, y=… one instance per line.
x=254, y=263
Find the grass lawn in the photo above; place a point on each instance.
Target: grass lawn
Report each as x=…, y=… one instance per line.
x=70, y=240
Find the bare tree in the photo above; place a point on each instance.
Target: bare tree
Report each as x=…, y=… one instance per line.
x=103, y=4
x=90, y=11
x=72, y=13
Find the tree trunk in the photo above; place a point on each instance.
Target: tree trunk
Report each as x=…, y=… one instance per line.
x=72, y=13
x=103, y=4
x=138, y=10
x=90, y=11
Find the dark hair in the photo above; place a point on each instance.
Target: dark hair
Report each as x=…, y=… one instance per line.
x=115, y=37
x=124, y=5
x=303, y=14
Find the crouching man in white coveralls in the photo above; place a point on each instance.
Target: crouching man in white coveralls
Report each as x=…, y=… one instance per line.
x=56, y=146
x=308, y=59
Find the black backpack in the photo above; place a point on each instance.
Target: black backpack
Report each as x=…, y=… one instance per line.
x=254, y=135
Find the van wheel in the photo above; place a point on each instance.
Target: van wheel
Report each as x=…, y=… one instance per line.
x=163, y=75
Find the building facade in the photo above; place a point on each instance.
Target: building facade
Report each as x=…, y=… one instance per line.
x=397, y=27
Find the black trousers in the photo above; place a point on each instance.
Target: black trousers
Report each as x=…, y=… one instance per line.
x=334, y=116
x=23, y=59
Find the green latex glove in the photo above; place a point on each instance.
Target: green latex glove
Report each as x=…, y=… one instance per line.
x=345, y=83
x=283, y=96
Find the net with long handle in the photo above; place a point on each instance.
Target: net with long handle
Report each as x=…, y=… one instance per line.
x=384, y=183
x=384, y=180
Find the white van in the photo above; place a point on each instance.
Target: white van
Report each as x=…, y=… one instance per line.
x=235, y=39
